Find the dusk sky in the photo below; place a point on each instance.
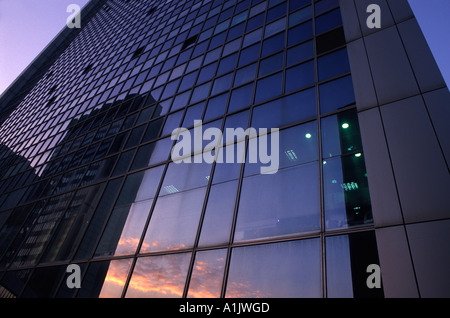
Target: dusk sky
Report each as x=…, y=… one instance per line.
x=27, y=26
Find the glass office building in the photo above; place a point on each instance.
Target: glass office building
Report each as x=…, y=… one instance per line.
x=87, y=178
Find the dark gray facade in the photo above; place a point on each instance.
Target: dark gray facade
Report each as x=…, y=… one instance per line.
x=404, y=110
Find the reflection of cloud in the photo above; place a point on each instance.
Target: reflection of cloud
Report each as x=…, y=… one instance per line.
x=244, y=290
x=159, y=276
x=165, y=276
x=115, y=279
x=127, y=245
x=161, y=245
x=206, y=281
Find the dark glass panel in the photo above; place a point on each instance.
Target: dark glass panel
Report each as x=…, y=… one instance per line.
x=300, y=76
x=288, y=269
x=333, y=64
x=289, y=109
x=346, y=192
x=336, y=94
x=348, y=257
x=328, y=21
x=269, y=87
x=279, y=204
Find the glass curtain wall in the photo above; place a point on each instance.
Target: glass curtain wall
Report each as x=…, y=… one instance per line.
x=87, y=176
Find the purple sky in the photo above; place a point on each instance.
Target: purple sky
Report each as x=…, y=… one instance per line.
x=27, y=26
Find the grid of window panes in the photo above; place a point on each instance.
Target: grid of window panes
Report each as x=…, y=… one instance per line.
x=86, y=175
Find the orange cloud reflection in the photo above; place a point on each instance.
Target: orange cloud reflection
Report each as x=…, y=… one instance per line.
x=159, y=276
x=115, y=279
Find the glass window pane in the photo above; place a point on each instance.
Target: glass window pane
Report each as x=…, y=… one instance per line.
x=153, y=129
x=341, y=134
x=325, y=5
x=330, y=40
x=300, y=76
x=294, y=5
x=172, y=122
x=207, y=73
x=245, y=75
x=133, y=227
x=193, y=113
x=300, y=33
x=227, y=64
x=279, y=270
x=43, y=282
x=241, y=97
x=300, y=16
x=159, y=276
x=333, y=64
x=254, y=23
x=328, y=21
x=252, y=37
x=269, y=87
x=174, y=221
x=336, y=94
x=271, y=64
x=216, y=107
x=275, y=27
x=300, y=53
x=279, y=204
x=115, y=278
x=297, y=145
x=207, y=275
x=232, y=126
x=273, y=45
x=227, y=171
x=290, y=109
x=98, y=219
x=200, y=92
x=249, y=54
x=219, y=214
x=130, y=188
x=346, y=192
x=152, y=153
x=185, y=176
x=276, y=12
x=222, y=84
x=348, y=257
x=94, y=278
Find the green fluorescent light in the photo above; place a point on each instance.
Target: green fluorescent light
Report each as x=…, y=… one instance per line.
x=345, y=125
x=308, y=135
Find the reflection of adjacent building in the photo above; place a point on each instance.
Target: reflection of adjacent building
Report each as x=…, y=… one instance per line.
x=51, y=229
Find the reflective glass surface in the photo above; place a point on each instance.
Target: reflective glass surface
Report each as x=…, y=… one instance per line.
x=207, y=275
x=174, y=221
x=295, y=210
x=87, y=177
x=159, y=276
x=289, y=269
x=115, y=279
x=348, y=257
